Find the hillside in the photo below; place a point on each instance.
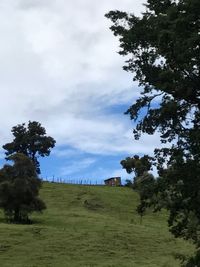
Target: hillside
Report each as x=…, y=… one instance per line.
x=90, y=226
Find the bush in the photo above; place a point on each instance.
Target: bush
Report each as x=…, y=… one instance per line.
x=19, y=188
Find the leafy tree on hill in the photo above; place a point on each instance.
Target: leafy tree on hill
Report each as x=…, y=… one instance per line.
x=163, y=53
x=144, y=182
x=31, y=141
x=19, y=188
x=137, y=165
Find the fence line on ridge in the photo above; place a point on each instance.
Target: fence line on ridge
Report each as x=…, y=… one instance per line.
x=73, y=181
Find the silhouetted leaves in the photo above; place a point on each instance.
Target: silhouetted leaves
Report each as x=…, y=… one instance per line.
x=31, y=141
x=164, y=57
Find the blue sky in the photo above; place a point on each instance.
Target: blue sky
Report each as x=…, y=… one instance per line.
x=61, y=68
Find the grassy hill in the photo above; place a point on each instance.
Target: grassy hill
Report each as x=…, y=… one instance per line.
x=90, y=226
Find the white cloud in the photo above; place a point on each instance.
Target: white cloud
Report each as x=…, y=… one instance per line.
x=63, y=152
x=76, y=167
x=60, y=67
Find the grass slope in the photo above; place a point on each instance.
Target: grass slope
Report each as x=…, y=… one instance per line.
x=90, y=226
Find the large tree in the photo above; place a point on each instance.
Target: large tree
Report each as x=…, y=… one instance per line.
x=19, y=188
x=31, y=141
x=163, y=53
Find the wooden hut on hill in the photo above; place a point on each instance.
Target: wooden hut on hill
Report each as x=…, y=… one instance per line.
x=113, y=181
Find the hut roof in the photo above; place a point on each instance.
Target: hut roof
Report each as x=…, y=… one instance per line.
x=112, y=178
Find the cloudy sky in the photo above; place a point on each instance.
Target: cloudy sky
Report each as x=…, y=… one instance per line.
x=59, y=66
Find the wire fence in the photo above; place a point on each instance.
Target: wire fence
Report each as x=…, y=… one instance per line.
x=73, y=181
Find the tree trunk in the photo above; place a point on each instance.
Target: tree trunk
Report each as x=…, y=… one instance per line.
x=17, y=217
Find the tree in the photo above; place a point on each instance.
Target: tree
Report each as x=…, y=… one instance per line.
x=163, y=53
x=31, y=141
x=137, y=164
x=144, y=182
x=19, y=188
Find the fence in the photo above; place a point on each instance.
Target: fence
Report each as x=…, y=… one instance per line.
x=73, y=181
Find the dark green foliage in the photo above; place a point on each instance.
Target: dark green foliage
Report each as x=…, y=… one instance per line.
x=145, y=185
x=128, y=183
x=19, y=188
x=31, y=141
x=164, y=56
x=144, y=182
x=194, y=261
x=137, y=164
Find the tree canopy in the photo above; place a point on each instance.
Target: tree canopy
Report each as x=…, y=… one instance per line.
x=137, y=164
x=19, y=188
x=31, y=141
x=163, y=53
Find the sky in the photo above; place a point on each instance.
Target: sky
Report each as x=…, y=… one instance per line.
x=60, y=67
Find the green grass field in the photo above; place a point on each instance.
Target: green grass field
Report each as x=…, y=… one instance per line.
x=90, y=226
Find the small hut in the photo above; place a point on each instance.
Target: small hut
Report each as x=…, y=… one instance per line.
x=113, y=181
